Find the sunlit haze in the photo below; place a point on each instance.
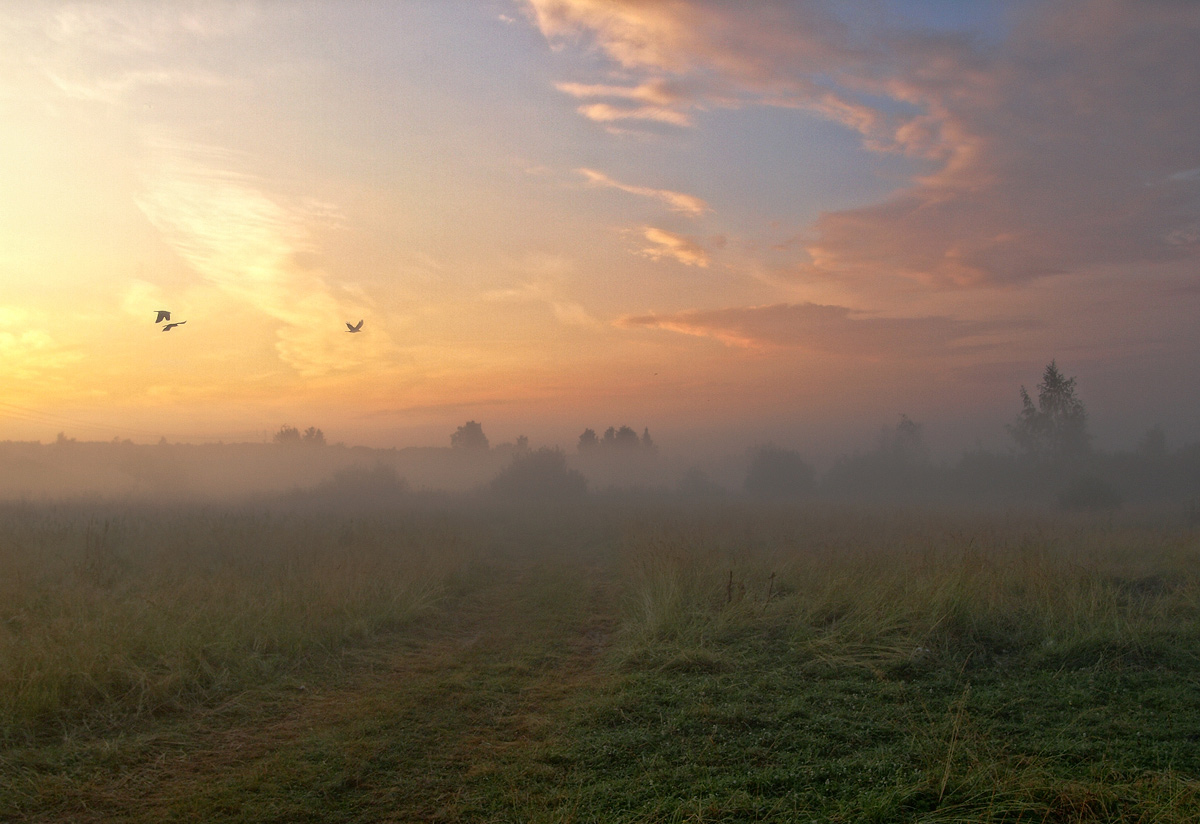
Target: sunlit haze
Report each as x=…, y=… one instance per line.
x=787, y=221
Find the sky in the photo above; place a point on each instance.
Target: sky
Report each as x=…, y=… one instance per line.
x=730, y=223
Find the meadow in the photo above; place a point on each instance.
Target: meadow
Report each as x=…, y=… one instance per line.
x=611, y=659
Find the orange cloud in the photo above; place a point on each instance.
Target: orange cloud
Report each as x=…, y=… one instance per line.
x=677, y=247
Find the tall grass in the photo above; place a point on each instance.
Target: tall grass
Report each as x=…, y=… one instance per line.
x=108, y=612
x=876, y=588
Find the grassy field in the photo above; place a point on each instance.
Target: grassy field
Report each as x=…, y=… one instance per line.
x=606, y=662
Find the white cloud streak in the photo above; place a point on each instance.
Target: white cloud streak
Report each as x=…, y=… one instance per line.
x=677, y=201
x=246, y=243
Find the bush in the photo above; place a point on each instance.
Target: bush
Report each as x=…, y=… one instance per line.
x=354, y=488
x=696, y=484
x=778, y=473
x=539, y=475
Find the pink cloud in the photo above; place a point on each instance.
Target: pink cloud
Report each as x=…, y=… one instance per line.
x=655, y=92
x=1069, y=144
x=608, y=113
x=676, y=247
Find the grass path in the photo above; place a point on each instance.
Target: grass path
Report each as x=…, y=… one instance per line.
x=443, y=725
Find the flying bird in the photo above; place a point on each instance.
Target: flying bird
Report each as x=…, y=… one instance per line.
x=171, y=326
x=351, y=328
x=163, y=314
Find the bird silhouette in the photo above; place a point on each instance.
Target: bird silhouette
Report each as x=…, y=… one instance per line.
x=171, y=326
x=351, y=328
x=163, y=314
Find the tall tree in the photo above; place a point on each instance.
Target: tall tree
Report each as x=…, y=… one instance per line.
x=1056, y=427
x=469, y=436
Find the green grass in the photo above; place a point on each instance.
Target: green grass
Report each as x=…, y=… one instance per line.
x=602, y=663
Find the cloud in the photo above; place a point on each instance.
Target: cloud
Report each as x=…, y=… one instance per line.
x=27, y=351
x=670, y=245
x=656, y=92
x=655, y=100
x=822, y=328
x=541, y=281
x=105, y=52
x=607, y=113
x=677, y=201
x=1066, y=144
x=247, y=243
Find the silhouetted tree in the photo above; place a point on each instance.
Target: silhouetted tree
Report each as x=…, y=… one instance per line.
x=897, y=468
x=906, y=442
x=287, y=436
x=313, y=437
x=539, y=475
x=469, y=436
x=522, y=443
x=626, y=438
x=1057, y=426
x=775, y=472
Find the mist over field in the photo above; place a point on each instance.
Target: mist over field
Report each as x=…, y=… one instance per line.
x=895, y=467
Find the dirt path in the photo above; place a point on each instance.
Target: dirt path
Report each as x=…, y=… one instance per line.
x=441, y=724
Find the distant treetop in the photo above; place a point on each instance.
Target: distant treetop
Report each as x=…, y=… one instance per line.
x=291, y=436
x=1057, y=426
x=622, y=439
x=469, y=436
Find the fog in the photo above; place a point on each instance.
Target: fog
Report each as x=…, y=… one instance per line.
x=1041, y=467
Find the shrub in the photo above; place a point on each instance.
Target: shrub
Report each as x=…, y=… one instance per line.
x=539, y=475
x=778, y=473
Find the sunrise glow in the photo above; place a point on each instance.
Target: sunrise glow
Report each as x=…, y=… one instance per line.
x=781, y=220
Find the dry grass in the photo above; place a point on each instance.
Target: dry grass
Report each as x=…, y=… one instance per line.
x=112, y=613
x=878, y=588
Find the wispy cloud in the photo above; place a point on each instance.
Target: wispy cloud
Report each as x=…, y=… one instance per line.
x=676, y=247
x=541, y=280
x=656, y=100
x=823, y=328
x=247, y=243
x=105, y=52
x=656, y=92
x=677, y=201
